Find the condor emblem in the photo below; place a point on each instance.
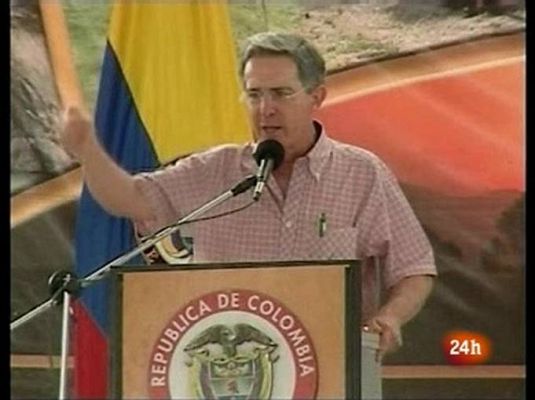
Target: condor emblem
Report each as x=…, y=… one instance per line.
x=234, y=345
x=230, y=374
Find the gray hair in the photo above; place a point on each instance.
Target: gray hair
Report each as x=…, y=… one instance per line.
x=310, y=64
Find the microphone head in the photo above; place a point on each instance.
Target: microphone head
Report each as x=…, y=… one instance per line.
x=267, y=149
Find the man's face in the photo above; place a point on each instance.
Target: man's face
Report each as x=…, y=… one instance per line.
x=278, y=105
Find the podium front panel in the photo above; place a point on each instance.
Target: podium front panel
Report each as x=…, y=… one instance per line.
x=237, y=331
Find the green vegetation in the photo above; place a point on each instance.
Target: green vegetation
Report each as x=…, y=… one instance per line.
x=248, y=19
x=87, y=23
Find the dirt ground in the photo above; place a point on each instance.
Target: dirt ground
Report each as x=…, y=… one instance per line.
x=352, y=34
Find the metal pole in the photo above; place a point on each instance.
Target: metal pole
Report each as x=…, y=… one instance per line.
x=32, y=314
x=63, y=378
x=265, y=14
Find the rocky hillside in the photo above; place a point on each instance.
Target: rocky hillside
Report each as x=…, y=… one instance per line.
x=349, y=34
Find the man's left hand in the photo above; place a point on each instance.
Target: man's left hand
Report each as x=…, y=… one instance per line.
x=389, y=331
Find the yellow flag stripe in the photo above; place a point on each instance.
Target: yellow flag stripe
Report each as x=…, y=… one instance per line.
x=179, y=61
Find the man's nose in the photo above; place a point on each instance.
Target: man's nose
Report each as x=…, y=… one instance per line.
x=267, y=104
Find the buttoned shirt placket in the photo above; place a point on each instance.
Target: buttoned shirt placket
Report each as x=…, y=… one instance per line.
x=291, y=209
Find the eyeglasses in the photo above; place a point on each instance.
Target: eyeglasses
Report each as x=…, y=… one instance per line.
x=278, y=95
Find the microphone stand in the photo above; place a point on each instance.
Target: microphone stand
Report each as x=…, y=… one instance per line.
x=63, y=285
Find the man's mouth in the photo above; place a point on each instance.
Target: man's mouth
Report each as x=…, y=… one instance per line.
x=270, y=129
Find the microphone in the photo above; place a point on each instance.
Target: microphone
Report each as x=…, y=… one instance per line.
x=268, y=155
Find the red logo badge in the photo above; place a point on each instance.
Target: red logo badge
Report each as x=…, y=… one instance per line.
x=235, y=344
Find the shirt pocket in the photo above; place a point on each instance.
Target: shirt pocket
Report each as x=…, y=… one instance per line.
x=337, y=244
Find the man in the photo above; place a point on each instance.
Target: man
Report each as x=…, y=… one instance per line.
x=327, y=200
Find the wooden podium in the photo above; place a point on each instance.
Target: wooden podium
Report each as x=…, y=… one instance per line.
x=241, y=331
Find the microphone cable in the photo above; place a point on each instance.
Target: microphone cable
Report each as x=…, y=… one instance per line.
x=223, y=214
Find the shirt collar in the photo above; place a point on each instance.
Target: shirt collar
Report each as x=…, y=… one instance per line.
x=316, y=157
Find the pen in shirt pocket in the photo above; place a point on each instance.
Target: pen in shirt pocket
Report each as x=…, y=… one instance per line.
x=322, y=225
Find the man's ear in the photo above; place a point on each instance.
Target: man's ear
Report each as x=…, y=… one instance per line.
x=318, y=96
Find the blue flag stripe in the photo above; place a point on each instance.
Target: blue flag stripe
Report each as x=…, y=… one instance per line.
x=124, y=137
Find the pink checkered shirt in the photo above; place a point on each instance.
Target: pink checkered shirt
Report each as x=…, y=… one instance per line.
x=365, y=211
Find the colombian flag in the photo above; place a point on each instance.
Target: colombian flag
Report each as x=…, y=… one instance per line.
x=168, y=87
